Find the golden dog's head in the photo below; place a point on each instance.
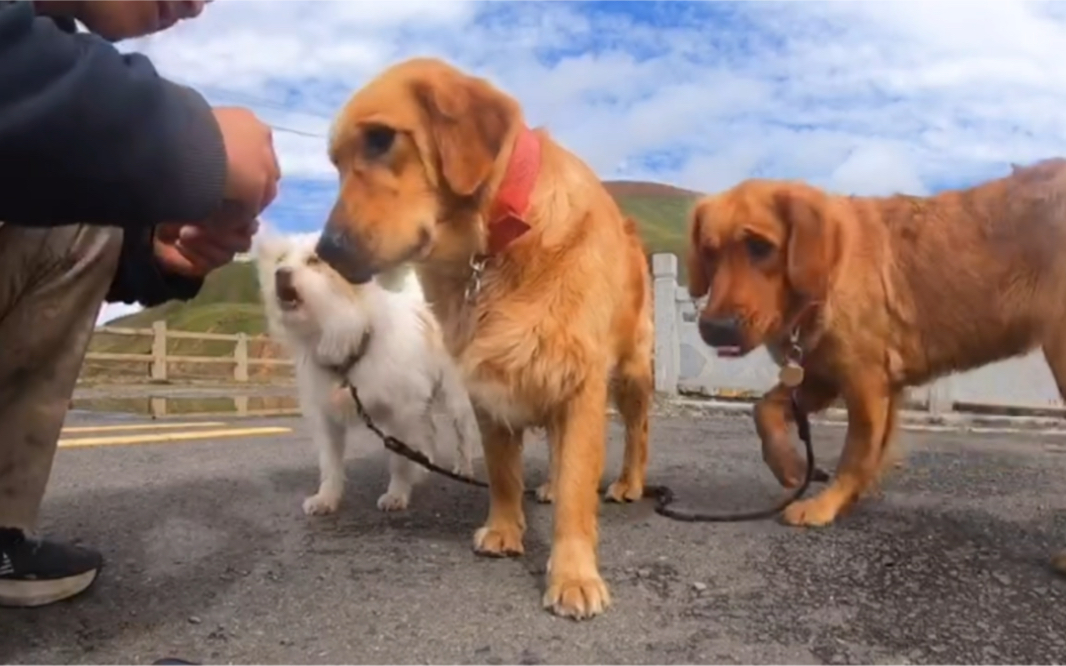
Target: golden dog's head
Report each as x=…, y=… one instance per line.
x=761, y=253
x=414, y=149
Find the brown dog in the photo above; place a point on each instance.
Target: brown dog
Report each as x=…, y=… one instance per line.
x=878, y=294
x=539, y=282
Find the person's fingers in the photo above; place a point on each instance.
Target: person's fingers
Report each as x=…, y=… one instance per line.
x=234, y=237
x=205, y=256
x=175, y=260
x=217, y=245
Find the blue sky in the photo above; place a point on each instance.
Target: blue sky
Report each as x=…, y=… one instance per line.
x=857, y=97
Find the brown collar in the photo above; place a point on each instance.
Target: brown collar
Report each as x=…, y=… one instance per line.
x=342, y=369
x=507, y=217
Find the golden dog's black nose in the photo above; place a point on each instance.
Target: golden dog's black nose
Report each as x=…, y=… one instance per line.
x=344, y=255
x=721, y=331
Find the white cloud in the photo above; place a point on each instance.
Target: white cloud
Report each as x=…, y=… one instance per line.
x=856, y=96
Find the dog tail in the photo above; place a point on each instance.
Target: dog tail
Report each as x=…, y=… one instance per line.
x=460, y=413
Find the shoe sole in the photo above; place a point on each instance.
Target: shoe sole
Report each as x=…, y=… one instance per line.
x=33, y=593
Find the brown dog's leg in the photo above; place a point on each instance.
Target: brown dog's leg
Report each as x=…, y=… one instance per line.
x=1055, y=355
x=890, y=454
x=773, y=419
x=632, y=390
x=869, y=406
x=575, y=588
x=503, y=531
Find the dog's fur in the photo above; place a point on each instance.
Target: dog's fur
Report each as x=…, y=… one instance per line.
x=563, y=315
x=903, y=290
x=405, y=372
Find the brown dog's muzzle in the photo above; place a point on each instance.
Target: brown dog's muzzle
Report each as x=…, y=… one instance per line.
x=721, y=332
x=344, y=252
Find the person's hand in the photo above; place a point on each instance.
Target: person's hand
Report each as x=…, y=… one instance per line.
x=253, y=171
x=194, y=250
x=115, y=20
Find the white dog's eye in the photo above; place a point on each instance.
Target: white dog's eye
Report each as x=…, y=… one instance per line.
x=313, y=260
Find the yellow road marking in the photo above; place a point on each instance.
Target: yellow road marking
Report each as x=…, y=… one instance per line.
x=148, y=438
x=144, y=426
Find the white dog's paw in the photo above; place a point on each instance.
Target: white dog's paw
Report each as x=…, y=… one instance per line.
x=321, y=504
x=545, y=493
x=393, y=502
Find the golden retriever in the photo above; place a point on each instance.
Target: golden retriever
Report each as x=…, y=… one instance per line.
x=539, y=282
x=878, y=294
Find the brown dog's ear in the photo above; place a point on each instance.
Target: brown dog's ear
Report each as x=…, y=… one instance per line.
x=698, y=280
x=813, y=242
x=468, y=121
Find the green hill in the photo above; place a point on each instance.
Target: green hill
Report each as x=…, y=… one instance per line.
x=229, y=301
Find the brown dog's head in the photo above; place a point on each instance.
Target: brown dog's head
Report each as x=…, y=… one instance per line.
x=761, y=252
x=414, y=150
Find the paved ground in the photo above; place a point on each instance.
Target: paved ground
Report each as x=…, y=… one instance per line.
x=210, y=558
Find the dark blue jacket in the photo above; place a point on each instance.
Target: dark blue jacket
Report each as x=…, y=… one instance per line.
x=93, y=136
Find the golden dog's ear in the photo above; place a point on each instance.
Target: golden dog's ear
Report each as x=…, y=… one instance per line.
x=468, y=121
x=698, y=280
x=814, y=245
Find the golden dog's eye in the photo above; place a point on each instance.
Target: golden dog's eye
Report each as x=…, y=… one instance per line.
x=758, y=248
x=313, y=260
x=377, y=140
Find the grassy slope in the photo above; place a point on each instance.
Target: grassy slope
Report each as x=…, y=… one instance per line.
x=229, y=301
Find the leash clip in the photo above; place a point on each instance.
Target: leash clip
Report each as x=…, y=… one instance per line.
x=791, y=373
x=477, y=269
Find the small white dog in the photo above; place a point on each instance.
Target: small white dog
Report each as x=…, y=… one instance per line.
x=383, y=337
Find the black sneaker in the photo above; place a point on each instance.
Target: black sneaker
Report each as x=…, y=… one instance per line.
x=35, y=572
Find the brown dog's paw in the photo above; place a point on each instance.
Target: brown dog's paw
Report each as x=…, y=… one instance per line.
x=577, y=598
x=623, y=491
x=815, y=512
x=498, y=541
x=545, y=493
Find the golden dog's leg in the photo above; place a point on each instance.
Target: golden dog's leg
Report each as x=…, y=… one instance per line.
x=632, y=390
x=773, y=421
x=506, y=525
x=575, y=588
x=869, y=405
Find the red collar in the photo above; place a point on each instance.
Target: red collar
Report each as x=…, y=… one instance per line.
x=507, y=217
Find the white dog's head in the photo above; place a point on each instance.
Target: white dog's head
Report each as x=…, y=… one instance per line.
x=305, y=299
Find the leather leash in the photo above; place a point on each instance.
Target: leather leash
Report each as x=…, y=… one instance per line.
x=662, y=495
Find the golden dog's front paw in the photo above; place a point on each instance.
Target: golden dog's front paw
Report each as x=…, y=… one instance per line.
x=624, y=490
x=815, y=512
x=577, y=598
x=498, y=541
x=545, y=493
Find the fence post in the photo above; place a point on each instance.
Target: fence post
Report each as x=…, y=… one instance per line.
x=240, y=352
x=159, y=351
x=940, y=400
x=667, y=338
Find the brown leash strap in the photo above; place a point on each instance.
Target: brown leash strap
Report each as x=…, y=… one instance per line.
x=662, y=495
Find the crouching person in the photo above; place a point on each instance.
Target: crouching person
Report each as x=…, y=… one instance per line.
x=115, y=185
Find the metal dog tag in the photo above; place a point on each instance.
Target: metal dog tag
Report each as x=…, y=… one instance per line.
x=791, y=374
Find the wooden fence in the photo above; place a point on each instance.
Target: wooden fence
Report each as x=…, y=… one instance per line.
x=159, y=362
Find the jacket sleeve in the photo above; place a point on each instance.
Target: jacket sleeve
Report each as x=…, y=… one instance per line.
x=91, y=135
x=139, y=278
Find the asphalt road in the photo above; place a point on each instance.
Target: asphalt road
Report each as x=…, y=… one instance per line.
x=210, y=558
